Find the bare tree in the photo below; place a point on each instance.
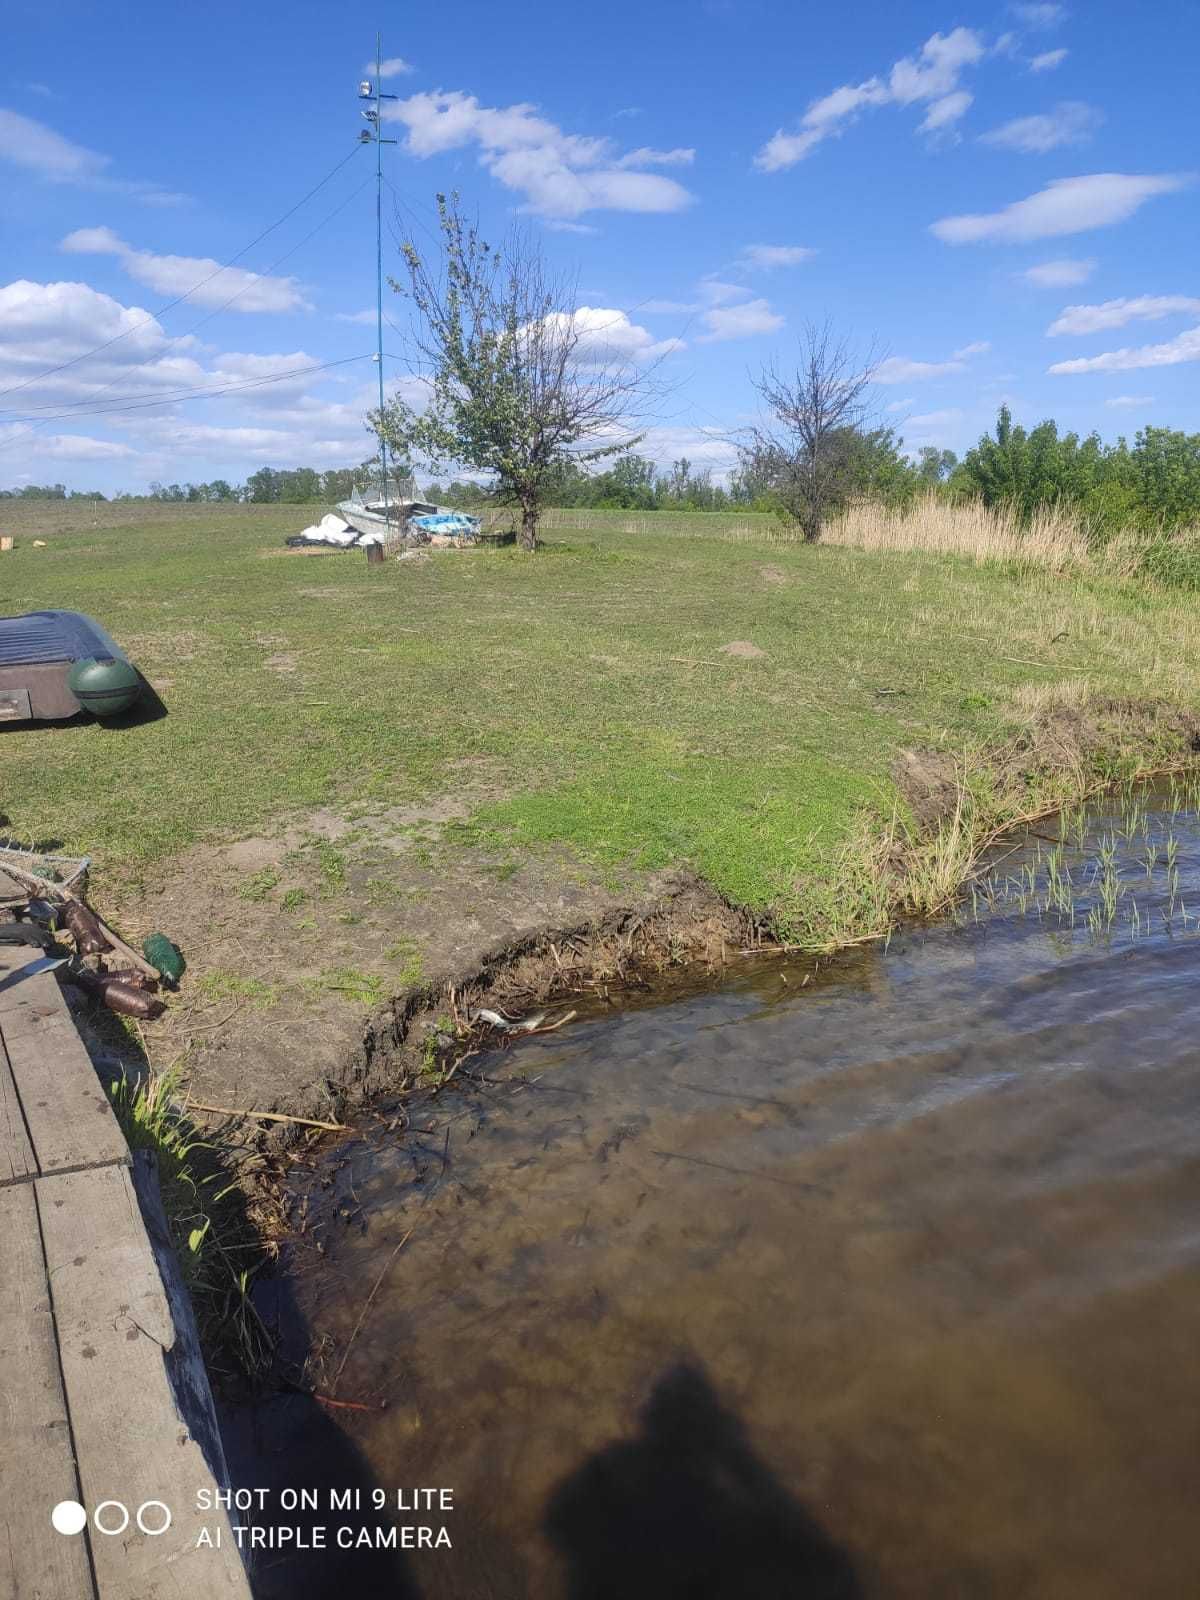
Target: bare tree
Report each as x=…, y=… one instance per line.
x=518, y=380
x=810, y=453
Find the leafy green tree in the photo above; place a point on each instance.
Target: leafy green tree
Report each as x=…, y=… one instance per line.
x=262, y=487
x=1167, y=467
x=518, y=382
x=934, y=466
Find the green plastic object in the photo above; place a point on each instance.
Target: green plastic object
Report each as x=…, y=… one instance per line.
x=105, y=688
x=164, y=956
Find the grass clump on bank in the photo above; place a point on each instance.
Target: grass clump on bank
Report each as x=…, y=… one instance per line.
x=1066, y=745
x=218, y=1248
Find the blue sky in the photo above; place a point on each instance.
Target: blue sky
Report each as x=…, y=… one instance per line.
x=1005, y=197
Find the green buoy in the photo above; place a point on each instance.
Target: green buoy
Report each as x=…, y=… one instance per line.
x=164, y=956
x=105, y=688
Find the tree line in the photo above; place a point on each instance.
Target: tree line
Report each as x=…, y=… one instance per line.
x=1152, y=485
x=267, y=486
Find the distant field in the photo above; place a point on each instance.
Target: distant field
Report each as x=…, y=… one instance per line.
x=587, y=690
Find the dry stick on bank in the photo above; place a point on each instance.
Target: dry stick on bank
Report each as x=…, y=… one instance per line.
x=266, y=1116
x=47, y=889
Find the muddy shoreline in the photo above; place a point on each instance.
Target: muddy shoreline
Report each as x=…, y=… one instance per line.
x=293, y=1003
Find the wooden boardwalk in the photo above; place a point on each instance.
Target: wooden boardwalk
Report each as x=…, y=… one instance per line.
x=102, y=1392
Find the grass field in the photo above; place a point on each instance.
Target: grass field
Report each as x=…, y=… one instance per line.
x=585, y=693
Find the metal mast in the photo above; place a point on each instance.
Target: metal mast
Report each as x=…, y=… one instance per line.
x=373, y=134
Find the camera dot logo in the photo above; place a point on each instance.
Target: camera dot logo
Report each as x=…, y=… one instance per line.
x=68, y=1517
x=111, y=1517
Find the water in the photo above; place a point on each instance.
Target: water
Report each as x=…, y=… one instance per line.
x=884, y=1285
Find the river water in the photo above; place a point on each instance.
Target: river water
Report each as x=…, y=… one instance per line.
x=882, y=1284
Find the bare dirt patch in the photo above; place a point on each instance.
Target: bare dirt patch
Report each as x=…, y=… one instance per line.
x=298, y=550
x=307, y=943
x=773, y=574
x=1063, y=733
x=283, y=662
x=743, y=650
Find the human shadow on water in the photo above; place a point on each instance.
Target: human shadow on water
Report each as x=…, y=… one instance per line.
x=685, y=1510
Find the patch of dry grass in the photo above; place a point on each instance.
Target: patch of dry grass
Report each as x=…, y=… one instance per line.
x=1054, y=541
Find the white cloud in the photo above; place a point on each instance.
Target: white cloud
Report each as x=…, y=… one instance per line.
x=1064, y=206
x=932, y=75
x=1048, y=60
x=367, y=317
x=979, y=348
x=1184, y=347
x=945, y=112
x=710, y=291
x=176, y=275
x=739, y=321
x=66, y=446
x=715, y=291
x=32, y=145
x=1123, y=402
x=41, y=150
x=898, y=369
x=125, y=392
x=606, y=334
x=708, y=449
x=44, y=325
x=933, y=421
x=1061, y=274
x=768, y=256
x=901, y=405
x=561, y=175
x=1116, y=313
x=392, y=67
x=1071, y=122
x=1041, y=16
x=936, y=70
x=561, y=225
x=627, y=111
x=647, y=157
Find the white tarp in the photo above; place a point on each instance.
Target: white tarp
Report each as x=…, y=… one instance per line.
x=330, y=530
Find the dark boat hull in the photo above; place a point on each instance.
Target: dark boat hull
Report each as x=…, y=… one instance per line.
x=55, y=664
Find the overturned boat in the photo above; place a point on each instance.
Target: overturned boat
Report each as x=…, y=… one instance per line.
x=375, y=512
x=55, y=664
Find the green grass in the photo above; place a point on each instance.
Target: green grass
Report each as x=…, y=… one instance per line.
x=220, y=985
x=218, y=1250
x=585, y=688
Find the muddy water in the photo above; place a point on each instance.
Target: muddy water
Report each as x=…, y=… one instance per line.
x=883, y=1285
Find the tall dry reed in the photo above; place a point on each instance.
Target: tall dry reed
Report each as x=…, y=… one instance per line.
x=1055, y=540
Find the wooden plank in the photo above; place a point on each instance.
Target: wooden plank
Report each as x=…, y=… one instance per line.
x=37, y=1465
x=70, y=1120
x=115, y=1330
x=24, y=994
x=185, y=1364
x=16, y=1152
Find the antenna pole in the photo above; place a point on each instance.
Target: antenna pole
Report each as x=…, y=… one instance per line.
x=375, y=123
x=379, y=268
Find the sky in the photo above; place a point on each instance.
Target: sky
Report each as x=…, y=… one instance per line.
x=1002, y=198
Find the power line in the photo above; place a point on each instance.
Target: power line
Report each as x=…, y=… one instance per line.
x=187, y=395
x=152, y=316
x=279, y=260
